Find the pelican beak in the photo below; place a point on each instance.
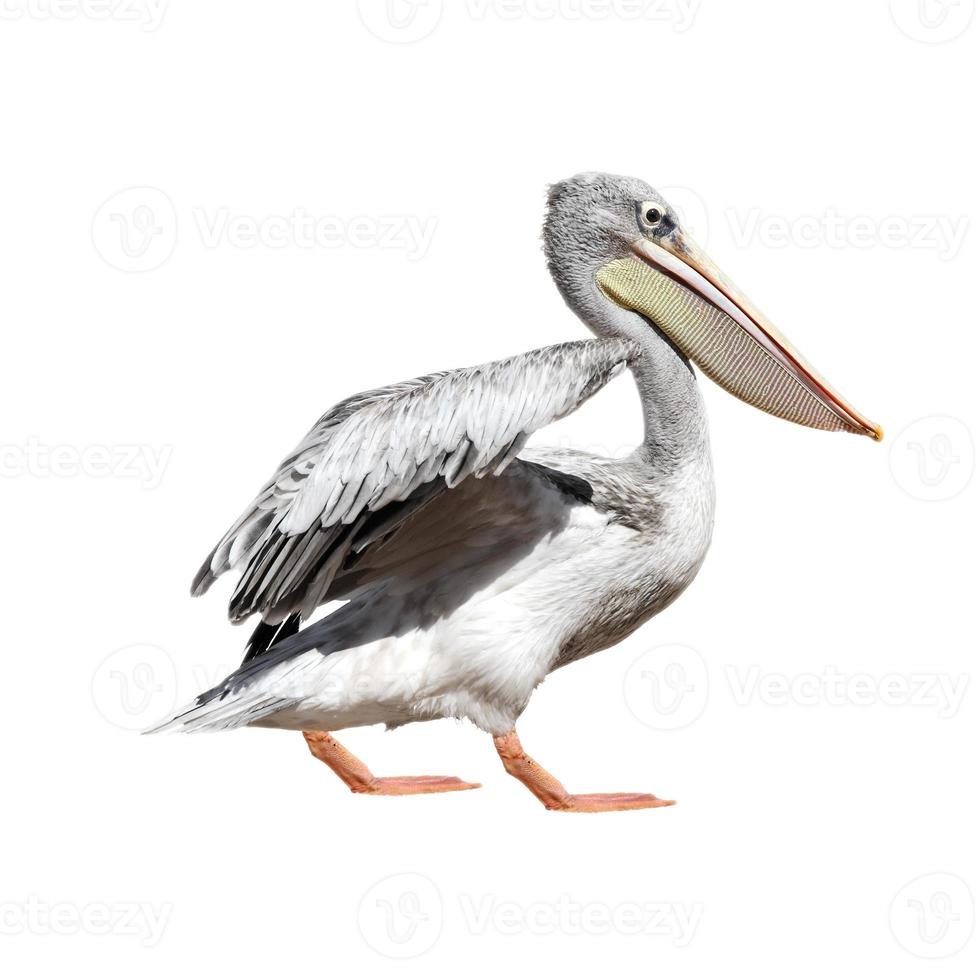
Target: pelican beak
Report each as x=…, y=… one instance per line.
x=679, y=289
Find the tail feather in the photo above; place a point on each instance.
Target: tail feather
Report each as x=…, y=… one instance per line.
x=265, y=683
x=216, y=715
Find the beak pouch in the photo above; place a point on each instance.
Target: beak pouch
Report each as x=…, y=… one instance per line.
x=763, y=372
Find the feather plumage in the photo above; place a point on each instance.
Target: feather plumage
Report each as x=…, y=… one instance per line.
x=388, y=448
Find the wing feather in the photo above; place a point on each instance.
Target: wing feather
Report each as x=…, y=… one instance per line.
x=393, y=448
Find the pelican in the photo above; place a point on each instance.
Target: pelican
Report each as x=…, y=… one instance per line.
x=472, y=566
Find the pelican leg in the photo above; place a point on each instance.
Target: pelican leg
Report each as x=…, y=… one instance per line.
x=360, y=779
x=551, y=792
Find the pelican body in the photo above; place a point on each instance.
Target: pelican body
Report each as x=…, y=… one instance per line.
x=471, y=566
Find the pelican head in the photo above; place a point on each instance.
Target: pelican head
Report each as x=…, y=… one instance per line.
x=621, y=259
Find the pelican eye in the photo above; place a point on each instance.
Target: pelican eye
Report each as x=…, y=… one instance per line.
x=650, y=215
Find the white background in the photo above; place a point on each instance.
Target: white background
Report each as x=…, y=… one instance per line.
x=822, y=155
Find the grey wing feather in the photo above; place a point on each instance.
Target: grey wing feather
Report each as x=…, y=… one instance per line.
x=379, y=456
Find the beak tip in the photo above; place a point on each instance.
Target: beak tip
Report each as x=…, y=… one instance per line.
x=877, y=433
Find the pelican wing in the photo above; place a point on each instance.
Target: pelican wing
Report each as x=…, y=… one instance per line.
x=378, y=457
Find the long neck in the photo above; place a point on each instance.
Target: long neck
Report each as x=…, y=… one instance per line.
x=675, y=423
